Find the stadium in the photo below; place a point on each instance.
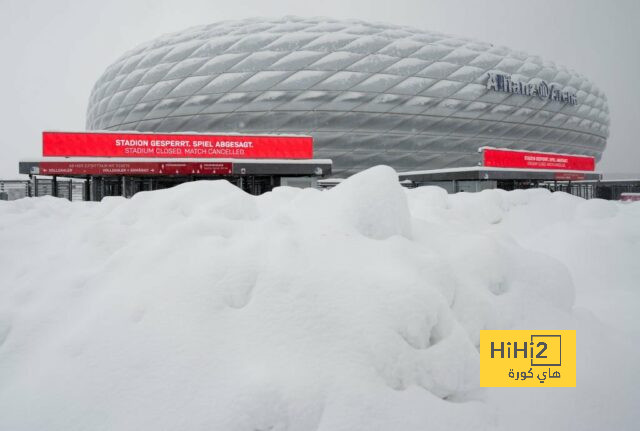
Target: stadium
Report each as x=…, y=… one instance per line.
x=367, y=93
x=306, y=102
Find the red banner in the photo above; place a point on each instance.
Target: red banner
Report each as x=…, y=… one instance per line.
x=77, y=144
x=134, y=168
x=493, y=157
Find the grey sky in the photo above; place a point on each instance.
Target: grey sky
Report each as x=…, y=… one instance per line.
x=53, y=51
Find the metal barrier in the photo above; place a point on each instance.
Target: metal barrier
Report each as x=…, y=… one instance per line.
x=605, y=189
x=585, y=190
x=72, y=190
x=14, y=189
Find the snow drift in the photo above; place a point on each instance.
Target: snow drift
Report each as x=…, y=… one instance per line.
x=202, y=307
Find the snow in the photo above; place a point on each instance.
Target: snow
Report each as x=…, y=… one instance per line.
x=357, y=308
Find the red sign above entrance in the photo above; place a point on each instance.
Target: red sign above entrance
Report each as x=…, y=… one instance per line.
x=500, y=158
x=568, y=176
x=134, y=168
x=104, y=144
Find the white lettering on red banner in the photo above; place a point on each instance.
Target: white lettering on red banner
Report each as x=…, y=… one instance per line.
x=498, y=158
x=568, y=176
x=76, y=144
x=134, y=168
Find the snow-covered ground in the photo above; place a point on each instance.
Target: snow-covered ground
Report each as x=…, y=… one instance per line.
x=202, y=307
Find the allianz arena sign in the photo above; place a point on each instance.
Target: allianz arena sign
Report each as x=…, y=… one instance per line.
x=506, y=84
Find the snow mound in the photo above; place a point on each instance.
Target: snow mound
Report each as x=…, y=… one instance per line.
x=372, y=202
x=202, y=307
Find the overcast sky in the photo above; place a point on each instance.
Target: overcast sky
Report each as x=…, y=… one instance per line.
x=54, y=50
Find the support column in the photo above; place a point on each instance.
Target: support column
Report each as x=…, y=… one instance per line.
x=54, y=186
x=124, y=187
x=86, y=190
x=92, y=189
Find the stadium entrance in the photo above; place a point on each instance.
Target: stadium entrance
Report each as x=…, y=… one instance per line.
x=109, y=163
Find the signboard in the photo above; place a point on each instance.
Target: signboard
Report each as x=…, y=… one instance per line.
x=500, y=158
x=506, y=84
x=568, y=176
x=79, y=144
x=134, y=168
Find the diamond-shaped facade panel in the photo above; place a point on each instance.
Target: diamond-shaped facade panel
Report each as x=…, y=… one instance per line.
x=368, y=93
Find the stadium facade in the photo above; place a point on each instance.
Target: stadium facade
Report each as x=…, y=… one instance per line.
x=368, y=93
